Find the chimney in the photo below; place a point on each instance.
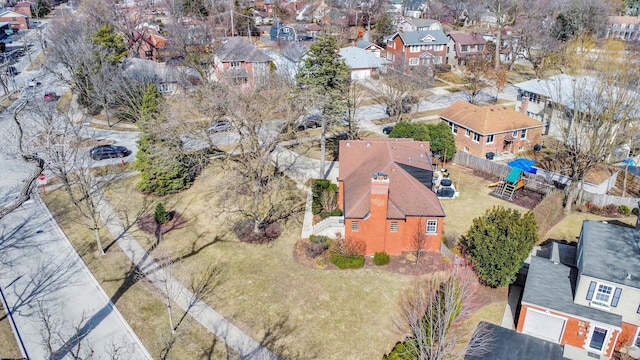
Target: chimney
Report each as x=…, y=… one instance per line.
x=524, y=104
x=379, y=184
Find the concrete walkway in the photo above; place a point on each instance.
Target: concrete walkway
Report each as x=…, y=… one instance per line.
x=508, y=318
x=235, y=338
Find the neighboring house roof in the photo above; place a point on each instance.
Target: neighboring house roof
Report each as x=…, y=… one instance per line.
x=236, y=49
x=611, y=253
x=363, y=44
x=551, y=285
x=507, y=344
x=426, y=37
x=357, y=58
x=402, y=160
x=560, y=89
x=626, y=20
x=468, y=38
x=313, y=27
x=12, y=14
x=488, y=119
x=420, y=23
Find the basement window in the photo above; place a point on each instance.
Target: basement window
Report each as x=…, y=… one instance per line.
x=355, y=226
x=394, y=227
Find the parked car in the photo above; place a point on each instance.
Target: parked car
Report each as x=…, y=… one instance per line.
x=108, y=151
x=50, y=96
x=11, y=71
x=394, y=110
x=311, y=122
x=387, y=130
x=33, y=82
x=219, y=126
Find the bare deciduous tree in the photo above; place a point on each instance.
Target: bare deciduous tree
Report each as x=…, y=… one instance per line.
x=432, y=317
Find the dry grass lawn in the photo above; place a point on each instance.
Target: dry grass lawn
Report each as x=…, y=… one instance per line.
x=569, y=228
x=299, y=312
x=474, y=199
x=64, y=102
x=8, y=345
x=37, y=63
x=145, y=312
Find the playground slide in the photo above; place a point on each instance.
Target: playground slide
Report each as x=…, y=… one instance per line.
x=495, y=184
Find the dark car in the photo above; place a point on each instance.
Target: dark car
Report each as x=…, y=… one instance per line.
x=108, y=151
x=397, y=109
x=311, y=122
x=219, y=126
x=50, y=96
x=12, y=71
x=387, y=130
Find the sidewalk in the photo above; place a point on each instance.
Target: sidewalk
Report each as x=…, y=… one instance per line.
x=235, y=338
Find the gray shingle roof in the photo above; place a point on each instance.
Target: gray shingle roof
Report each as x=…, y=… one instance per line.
x=418, y=37
x=611, y=253
x=357, y=58
x=551, y=285
x=236, y=49
x=507, y=344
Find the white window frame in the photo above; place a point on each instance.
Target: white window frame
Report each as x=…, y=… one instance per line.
x=467, y=133
x=394, y=227
x=600, y=302
x=432, y=227
x=414, y=61
x=355, y=226
x=476, y=137
x=523, y=134
x=490, y=139
x=454, y=129
x=466, y=149
x=604, y=343
x=514, y=134
x=235, y=64
x=636, y=339
x=414, y=48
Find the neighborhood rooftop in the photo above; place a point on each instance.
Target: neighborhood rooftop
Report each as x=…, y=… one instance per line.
x=611, y=252
x=426, y=37
x=236, y=49
x=397, y=158
x=488, y=119
x=552, y=284
x=507, y=344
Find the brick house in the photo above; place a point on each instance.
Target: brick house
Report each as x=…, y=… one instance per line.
x=410, y=24
x=463, y=45
x=18, y=21
x=626, y=28
x=413, y=48
x=587, y=298
x=148, y=46
x=482, y=129
x=241, y=64
x=23, y=8
x=385, y=192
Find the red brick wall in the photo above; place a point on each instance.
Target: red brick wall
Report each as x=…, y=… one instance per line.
x=480, y=148
x=629, y=332
x=575, y=333
x=19, y=23
x=402, y=54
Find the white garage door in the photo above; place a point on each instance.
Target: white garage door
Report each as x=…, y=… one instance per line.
x=360, y=74
x=544, y=326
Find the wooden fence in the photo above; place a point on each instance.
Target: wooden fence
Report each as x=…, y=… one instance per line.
x=483, y=165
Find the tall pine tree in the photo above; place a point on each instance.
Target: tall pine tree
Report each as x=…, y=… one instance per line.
x=159, y=159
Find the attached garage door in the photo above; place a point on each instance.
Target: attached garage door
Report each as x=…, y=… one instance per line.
x=544, y=326
x=360, y=74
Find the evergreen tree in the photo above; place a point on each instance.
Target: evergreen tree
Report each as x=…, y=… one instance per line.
x=110, y=44
x=161, y=215
x=162, y=168
x=326, y=74
x=441, y=140
x=498, y=243
x=384, y=27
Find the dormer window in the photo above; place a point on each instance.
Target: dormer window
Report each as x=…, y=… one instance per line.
x=428, y=38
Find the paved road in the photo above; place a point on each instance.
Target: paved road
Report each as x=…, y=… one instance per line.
x=40, y=270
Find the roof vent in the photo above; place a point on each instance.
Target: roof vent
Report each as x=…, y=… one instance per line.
x=409, y=159
x=368, y=144
x=421, y=145
x=421, y=155
x=348, y=144
x=628, y=276
x=604, y=222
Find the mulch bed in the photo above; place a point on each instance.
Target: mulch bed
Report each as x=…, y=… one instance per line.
x=148, y=224
x=526, y=198
x=430, y=262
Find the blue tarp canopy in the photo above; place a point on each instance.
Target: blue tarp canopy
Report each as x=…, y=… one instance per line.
x=523, y=164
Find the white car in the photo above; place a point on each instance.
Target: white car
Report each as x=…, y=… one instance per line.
x=32, y=83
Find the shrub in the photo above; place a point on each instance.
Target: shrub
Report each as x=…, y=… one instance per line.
x=314, y=249
x=624, y=209
x=610, y=209
x=635, y=211
x=320, y=239
x=320, y=262
x=347, y=262
x=318, y=187
x=381, y=258
x=244, y=231
x=326, y=214
x=595, y=209
x=161, y=215
x=451, y=240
